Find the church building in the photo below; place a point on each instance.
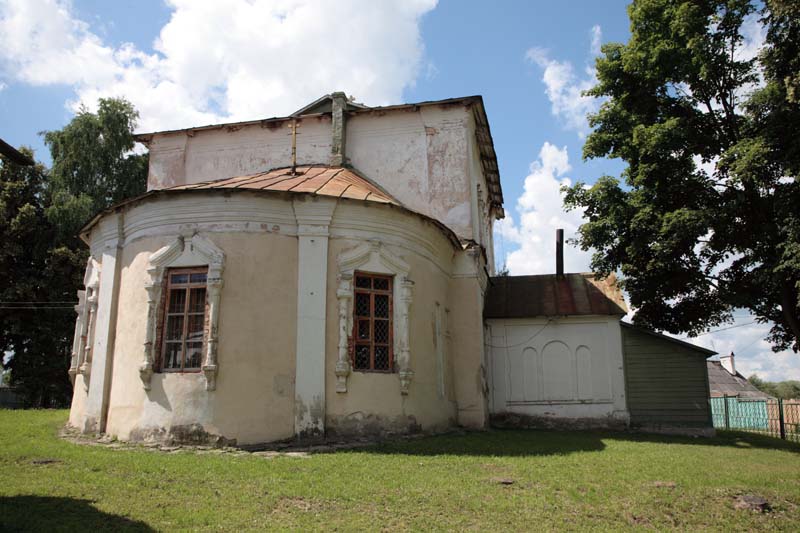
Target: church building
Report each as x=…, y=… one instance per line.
x=330, y=274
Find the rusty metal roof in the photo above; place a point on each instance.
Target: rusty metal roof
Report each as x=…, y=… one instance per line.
x=723, y=383
x=551, y=295
x=338, y=182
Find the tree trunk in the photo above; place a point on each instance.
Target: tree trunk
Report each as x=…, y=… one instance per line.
x=789, y=298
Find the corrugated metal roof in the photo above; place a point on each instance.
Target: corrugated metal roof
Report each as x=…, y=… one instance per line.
x=338, y=182
x=723, y=383
x=551, y=295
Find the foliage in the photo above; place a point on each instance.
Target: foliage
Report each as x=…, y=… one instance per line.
x=561, y=480
x=786, y=390
x=42, y=260
x=706, y=219
x=92, y=164
x=33, y=271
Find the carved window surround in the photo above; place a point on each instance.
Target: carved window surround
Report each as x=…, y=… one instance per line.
x=374, y=257
x=185, y=251
x=77, y=341
x=81, y=360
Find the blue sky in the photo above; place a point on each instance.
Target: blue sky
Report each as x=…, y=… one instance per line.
x=193, y=62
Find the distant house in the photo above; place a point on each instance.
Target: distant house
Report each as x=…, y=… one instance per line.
x=735, y=402
x=724, y=380
x=9, y=398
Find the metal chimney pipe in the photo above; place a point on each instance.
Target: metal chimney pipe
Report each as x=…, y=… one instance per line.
x=560, y=252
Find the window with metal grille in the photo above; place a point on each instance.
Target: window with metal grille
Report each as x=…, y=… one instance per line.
x=183, y=329
x=372, y=324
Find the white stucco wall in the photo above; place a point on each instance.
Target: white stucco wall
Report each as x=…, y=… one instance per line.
x=262, y=302
x=568, y=368
x=426, y=157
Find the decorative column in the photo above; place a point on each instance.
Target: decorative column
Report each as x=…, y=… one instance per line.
x=153, y=288
x=77, y=341
x=404, y=356
x=85, y=368
x=344, y=294
x=213, y=288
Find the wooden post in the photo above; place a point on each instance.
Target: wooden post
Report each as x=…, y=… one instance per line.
x=781, y=421
x=725, y=405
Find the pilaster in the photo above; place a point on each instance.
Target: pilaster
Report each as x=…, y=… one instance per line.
x=313, y=221
x=103, y=326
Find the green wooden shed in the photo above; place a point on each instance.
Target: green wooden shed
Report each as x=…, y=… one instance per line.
x=666, y=382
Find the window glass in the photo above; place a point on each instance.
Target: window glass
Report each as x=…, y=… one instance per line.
x=183, y=330
x=372, y=350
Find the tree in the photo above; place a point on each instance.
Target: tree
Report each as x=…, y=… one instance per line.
x=41, y=260
x=38, y=335
x=786, y=390
x=93, y=164
x=706, y=219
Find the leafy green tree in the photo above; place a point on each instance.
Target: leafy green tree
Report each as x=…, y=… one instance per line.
x=93, y=164
x=787, y=390
x=706, y=218
x=41, y=260
x=38, y=335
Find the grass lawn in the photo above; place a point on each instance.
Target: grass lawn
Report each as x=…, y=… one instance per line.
x=562, y=480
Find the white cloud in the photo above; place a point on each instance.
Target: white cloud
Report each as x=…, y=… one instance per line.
x=753, y=354
x=597, y=40
x=222, y=60
x=564, y=87
x=540, y=213
x=754, y=34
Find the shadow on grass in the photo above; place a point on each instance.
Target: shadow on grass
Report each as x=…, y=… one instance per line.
x=39, y=513
x=734, y=439
x=497, y=442
x=532, y=442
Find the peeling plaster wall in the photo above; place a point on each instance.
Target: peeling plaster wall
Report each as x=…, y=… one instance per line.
x=204, y=155
x=253, y=401
x=254, y=398
x=373, y=403
x=420, y=157
x=466, y=304
x=426, y=157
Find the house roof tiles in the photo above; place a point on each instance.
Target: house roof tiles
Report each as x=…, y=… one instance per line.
x=723, y=383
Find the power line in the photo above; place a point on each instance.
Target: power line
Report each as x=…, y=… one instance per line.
x=37, y=307
x=525, y=341
x=726, y=329
x=41, y=302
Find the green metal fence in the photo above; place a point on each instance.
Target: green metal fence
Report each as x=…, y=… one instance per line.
x=777, y=418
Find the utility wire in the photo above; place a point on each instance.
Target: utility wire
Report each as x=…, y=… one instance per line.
x=40, y=302
x=36, y=307
x=525, y=341
x=725, y=329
